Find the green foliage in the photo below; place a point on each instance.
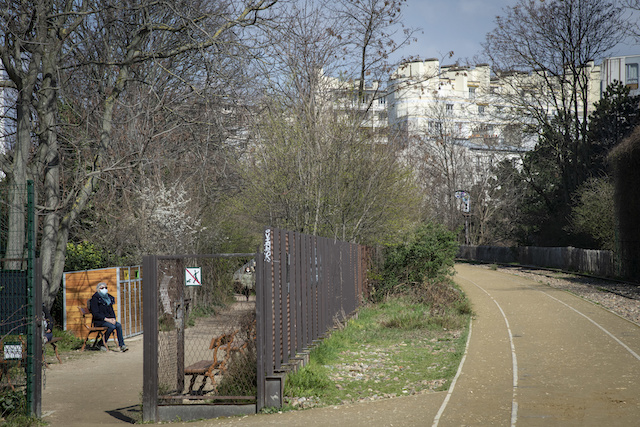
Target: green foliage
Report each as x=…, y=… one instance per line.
x=426, y=255
x=12, y=403
x=21, y=420
x=200, y=311
x=84, y=256
x=67, y=341
x=414, y=318
x=552, y=193
x=310, y=380
x=593, y=213
x=321, y=175
x=241, y=377
x=625, y=159
x=616, y=115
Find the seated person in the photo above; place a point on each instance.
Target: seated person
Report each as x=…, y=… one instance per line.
x=47, y=325
x=101, y=306
x=47, y=331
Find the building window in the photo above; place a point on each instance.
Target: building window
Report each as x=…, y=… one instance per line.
x=480, y=109
x=449, y=109
x=632, y=73
x=382, y=100
x=472, y=92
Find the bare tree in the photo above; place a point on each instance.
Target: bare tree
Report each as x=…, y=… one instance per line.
x=316, y=169
x=633, y=9
x=544, y=52
x=442, y=161
x=45, y=43
x=371, y=31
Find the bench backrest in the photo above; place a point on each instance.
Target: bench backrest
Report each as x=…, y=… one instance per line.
x=86, y=314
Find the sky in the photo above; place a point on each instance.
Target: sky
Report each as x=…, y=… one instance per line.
x=459, y=26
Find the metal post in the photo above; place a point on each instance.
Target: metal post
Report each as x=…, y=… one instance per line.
x=466, y=229
x=150, y=339
x=261, y=328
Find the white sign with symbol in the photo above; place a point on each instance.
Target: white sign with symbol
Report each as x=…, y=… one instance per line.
x=193, y=276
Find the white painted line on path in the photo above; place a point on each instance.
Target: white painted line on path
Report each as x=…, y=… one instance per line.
x=514, y=359
x=436, y=420
x=626, y=347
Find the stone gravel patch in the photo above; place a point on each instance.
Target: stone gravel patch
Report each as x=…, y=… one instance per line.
x=621, y=298
x=373, y=367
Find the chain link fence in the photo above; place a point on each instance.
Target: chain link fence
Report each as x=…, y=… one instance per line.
x=20, y=302
x=202, y=334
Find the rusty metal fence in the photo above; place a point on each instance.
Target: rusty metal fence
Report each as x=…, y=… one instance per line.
x=304, y=284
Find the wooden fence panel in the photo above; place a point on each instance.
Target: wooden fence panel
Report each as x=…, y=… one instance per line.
x=599, y=263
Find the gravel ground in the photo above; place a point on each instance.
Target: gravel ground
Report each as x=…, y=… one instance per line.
x=618, y=297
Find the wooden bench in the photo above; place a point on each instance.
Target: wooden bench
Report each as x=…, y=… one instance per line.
x=210, y=368
x=53, y=343
x=87, y=322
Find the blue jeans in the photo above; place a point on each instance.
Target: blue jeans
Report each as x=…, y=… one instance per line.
x=110, y=328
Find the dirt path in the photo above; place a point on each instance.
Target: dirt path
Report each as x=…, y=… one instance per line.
x=100, y=388
x=537, y=356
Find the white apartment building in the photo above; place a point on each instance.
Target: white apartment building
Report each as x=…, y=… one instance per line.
x=469, y=105
x=623, y=69
x=428, y=102
x=372, y=104
x=423, y=94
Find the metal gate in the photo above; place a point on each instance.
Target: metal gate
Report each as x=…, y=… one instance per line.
x=20, y=301
x=303, y=284
x=199, y=358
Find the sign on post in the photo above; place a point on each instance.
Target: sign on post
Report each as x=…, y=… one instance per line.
x=193, y=276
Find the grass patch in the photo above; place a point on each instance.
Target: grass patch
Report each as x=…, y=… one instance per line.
x=67, y=341
x=395, y=348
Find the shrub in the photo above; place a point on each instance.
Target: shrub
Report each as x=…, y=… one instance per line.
x=241, y=378
x=84, y=256
x=426, y=255
x=11, y=402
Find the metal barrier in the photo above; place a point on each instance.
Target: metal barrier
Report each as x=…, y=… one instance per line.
x=303, y=285
x=20, y=298
x=187, y=360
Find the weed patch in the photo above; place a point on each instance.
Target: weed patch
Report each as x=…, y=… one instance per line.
x=395, y=348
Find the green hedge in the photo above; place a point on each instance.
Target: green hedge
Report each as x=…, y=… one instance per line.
x=426, y=255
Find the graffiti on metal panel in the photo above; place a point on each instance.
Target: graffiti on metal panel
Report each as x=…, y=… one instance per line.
x=267, y=245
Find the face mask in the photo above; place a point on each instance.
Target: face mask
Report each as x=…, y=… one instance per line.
x=103, y=291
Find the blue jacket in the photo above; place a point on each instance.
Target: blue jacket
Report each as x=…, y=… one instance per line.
x=99, y=309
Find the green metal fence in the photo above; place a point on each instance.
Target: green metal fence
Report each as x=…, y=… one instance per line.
x=20, y=299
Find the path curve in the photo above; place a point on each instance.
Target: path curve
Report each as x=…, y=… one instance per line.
x=536, y=356
x=576, y=362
